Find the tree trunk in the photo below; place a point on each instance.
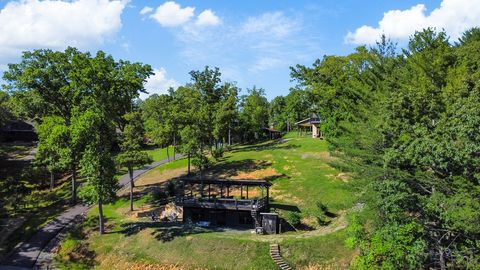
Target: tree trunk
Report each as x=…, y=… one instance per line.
x=130, y=172
x=43, y=179
x=168, y=155
x=100, y=216
x=74, y=184
x=188, y=171
x=442, y=259
x=229, y=138
x=52, y=180
x=174, y=144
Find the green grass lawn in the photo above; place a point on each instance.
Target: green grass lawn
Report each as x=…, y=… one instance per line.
x=301, y=176
x=155, y=154
x=160, y=153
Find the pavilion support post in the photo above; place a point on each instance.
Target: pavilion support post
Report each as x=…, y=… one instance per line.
x=228, y=191
x=241, y=191
x=247, y=192
x=268, y=195
x=262, y=192
x=209, y=191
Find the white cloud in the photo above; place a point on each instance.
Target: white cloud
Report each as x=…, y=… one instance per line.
x=455, y=16
x=171, y=14
x=272, y=23
x=265, y=63
x=146, y=10
x=270, y=41
x=158, y=83
x=26, y=25
x=207, y=18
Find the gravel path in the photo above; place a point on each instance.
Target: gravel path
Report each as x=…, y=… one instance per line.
x=25, y=255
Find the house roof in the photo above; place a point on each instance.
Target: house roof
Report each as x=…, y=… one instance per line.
x=271, y=130
x=314, y=119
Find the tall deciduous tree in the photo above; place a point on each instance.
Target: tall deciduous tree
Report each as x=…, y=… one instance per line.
x=97, y=164
x=254, y=114
x=53, y=151
x=131, y=155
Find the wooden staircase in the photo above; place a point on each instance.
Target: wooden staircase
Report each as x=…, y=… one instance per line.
x=275, y=254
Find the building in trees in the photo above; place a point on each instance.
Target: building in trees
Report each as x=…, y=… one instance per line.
x=310, y=125
x=272, y=133
x=18, y=131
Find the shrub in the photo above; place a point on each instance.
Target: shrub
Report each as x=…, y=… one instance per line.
x=217, y=153
x=201, y=162
x=293, y=218
x=158, y=194
x=321, y=207
x=322, y=216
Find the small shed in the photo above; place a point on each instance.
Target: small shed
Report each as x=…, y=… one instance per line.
x=272, y=133
x=311, y=124
x=270, y=223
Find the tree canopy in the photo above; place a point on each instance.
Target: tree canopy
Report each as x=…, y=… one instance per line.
x=407, y=122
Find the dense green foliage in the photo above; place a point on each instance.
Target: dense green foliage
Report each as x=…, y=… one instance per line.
x=408, y=122
x=132, y=140
x=78, y=100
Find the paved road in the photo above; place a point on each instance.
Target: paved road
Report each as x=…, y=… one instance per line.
x=25, y=256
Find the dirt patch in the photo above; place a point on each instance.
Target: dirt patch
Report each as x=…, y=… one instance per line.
x=310, y=221
x=345, y=177
x=159, y=176
x=156, y=177
x=115, y=262
x=288, y=198
x=257, y=174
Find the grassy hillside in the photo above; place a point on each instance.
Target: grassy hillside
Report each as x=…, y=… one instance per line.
x=302, y=177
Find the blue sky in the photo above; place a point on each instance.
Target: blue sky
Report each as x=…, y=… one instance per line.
x=252, y=42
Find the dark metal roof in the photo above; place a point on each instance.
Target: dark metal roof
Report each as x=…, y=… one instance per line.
x=227, y=182
x=271, y=130
x=314, y=119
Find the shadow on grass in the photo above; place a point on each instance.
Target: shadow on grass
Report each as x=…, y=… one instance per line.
x=165, y=231
x=79, y=255
x=271, y=145
x=228, y=169
x=231, y=168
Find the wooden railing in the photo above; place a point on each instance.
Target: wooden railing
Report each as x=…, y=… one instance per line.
x=238, y=204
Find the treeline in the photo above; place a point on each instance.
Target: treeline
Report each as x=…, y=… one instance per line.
x=90, y=120
x=408, y=121
x=206, y=116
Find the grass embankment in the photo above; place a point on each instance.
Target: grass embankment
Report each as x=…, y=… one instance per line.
x=302, y=177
